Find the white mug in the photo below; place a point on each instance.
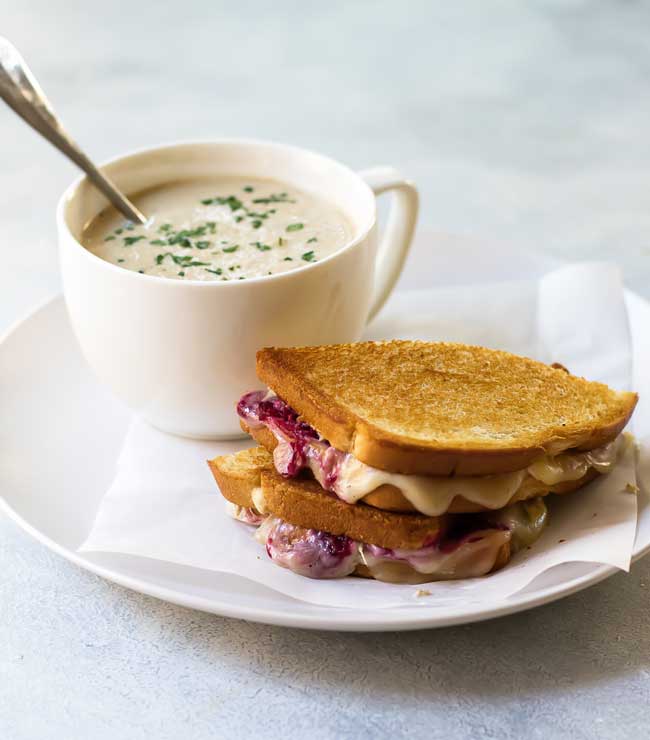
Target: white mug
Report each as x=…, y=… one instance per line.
x=182, y=352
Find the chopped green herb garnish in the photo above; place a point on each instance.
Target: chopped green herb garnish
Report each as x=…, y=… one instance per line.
x=109, y=238
x=248, y=189
x=141, y=272
x=238, y=219
x=164, y=228
x=256, y=223
x=182, y=260
x=262, y=247
x=288, y=259
x=183, y=237
x=212, y=226
x=275, y=198
x=181, y=273
x=218, y=271
x=189, y=263
x=131, y=240
x=232, y=268
x=229, y=250
x=201, y=245
x=120, y=260
x=295, y=227
x=313, y=239
x=119, y=231
x=129, y=226
x=242, y=277
x=232, y=201
x=309, y=256
x=158, y=242
x=280, y=241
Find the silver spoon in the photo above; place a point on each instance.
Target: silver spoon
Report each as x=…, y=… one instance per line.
x=20, y=91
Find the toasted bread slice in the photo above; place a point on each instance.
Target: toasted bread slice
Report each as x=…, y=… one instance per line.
x=304, y=503
x=390, y=498
x=238, y=475
x=439, y=408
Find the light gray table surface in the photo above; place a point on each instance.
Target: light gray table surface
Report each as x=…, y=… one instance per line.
x=520, y=121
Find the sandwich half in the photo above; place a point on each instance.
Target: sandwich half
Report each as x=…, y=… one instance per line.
x=426, y=460
x=319, y=536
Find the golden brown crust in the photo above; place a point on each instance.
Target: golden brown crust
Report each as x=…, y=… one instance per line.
x=237, y=475
x=386, y=455
x=390, y=498
x=440, y=409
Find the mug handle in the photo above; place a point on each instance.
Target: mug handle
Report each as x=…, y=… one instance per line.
x=396, y=242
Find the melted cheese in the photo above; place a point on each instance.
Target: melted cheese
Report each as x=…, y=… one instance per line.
x=525, y=521
x=474, y=558
x=257, y=496
x=433, y=495
x=573, y=466
x=429, y=495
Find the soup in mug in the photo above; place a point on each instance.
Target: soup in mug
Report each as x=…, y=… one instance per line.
x=225, y=228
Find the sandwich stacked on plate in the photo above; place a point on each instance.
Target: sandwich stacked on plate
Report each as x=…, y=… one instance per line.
x=412, y=461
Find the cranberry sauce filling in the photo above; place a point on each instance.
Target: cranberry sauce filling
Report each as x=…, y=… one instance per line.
x=258, y=406
x=299, y=445
x=310, y=552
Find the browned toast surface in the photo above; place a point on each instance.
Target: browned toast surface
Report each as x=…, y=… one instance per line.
x=237, y=475
x=441, y=408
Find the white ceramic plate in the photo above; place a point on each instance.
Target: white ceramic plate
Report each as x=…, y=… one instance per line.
x=60, y=432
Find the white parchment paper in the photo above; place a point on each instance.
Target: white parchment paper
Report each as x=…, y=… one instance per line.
x=163, y=502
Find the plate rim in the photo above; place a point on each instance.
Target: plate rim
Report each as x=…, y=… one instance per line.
x=414, y=617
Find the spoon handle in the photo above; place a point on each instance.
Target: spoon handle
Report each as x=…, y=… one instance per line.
x=20, y=90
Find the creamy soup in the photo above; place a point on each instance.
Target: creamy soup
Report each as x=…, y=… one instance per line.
x=225, y=228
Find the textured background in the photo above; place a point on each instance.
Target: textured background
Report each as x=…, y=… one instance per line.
x=527, y=122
